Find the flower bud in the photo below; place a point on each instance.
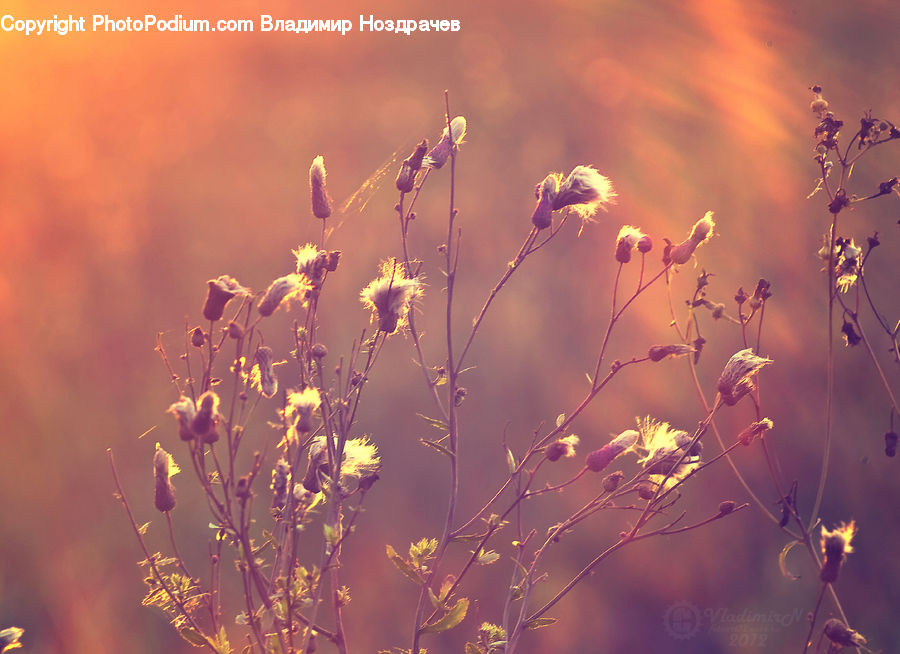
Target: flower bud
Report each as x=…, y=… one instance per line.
x=626, y=241
x=197, y=338
x=319, y=351
x=840, y=634
x=441, y=152
x=611, y=481
x=235, y=331
x=265, y=368
x=890, y=443
x=542, y=217
x=644, y=244
x=835, y=544
x=184, y=411
x=220, y=291
x=597, y=460
x=726, y=507
x=735, y=381
x=204, y=423
x=164, y=497
x=280, y=289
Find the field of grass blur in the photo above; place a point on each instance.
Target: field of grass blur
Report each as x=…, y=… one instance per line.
x=134, y=167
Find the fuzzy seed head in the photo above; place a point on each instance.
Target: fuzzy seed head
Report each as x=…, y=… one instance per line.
x=755, y=429
x=283, y=288
x=585, y=190
x=441, y=152
x=184, y=411
x=660, y=352
x=389, y=296
x=219, y=292
x=598, y=460
x=321, y=201
x=837, y=543
x=626, y=241
x=662, y=447
x=736, y=379
x=300, y=407
x=564, y=447
x=163, y=469
x=263, y=377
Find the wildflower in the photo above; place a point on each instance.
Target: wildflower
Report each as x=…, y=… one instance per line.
x=836, y=544
x=206, y=418
x=321, y=201
x=220, y=291
x=599, y=459
x=564, y=447
x=163, y=469
x=406, y=178
x=840, y=634
x=263, y=373
x=626, y=241
x=545, y=192
x=9, y=638
x=735, y=381
x=441, y=152
x=283, y=288
x=585, y=190
x=755, y=429
x=184, y=411
x=701, y=232
x=668, y=452
x=300, y=407
x=279, y=483
x=660, y=352
x=390, y=295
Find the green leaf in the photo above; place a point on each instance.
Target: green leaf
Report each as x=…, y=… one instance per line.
x=782, y=560
x=192, y=636
x=486, y=558
x=404, y=567
x=437, y=446
x=452, y=618
x=560, y=419
x=142, y=530
x=510, y=460
x=539, y=623
x=436, y=423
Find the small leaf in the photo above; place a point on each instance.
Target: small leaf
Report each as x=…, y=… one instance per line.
x=437, y=446
x=403, y=566
x=142, y=530
x=452, y=618
x=510, y=460
x=440, y=425
x=435, y=602
x=192, y=636
x=560, y=419
x=539, y=623
x=782, y=560
x=486, y=558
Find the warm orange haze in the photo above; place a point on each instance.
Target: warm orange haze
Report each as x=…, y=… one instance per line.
x=136, y=166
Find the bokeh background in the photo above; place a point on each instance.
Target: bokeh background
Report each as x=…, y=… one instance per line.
x=134, y=167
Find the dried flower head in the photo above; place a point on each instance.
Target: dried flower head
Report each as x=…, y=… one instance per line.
x=389, y=296
x=206, y=418
x=660, y=352
x=736, y=379
x=599, y=459
x=220, y=291
x=280, y=475
x=321, y=201
x=585, y=190
x=184, y=411
x=755, y=429
x=626, y=241
x=300, y=407
x=545, y=192
x=835, y=545
x=666, y=451
x=701, y=232
x=564, y=447
x=163, y=469
x=263, y=377
x=448, y=143
x=283, y=288
x=840, y=634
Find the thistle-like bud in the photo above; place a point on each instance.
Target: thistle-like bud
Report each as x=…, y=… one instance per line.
x=840, y=634
x=450, y=141
x=644, y=244
x=597, y=460
x=206, y=418
x=319, y=351
x=220, y=291
x=585, y=190
x=755, y=429
x=836, y=544
x=545, y=192
x=184, y=411
x=321, y=201
x=629, y=237
x=279, y=484
x=390, y=295
x=197, y=338
x=726, y=507
x=406, y=178
x=735, y=381
x=235, y=331
x=318, y=461
x=701, y=232
x=612, y=480
x=890, y=443
x=282, y=288
x=300, y=408
x=564, y=447
x=660, y=352
x=265, y=368
x=242, y=488
x=164, y=498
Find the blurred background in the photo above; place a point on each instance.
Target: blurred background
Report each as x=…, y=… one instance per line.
x=134, y=167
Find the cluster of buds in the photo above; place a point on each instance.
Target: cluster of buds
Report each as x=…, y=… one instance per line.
x=628, y=239
x=585, y=190
x=835, y=545
x=321, y=201
x=197, y=420
x=736, y=379
x=406, y=178
x=701, y=232
x=220, y=291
